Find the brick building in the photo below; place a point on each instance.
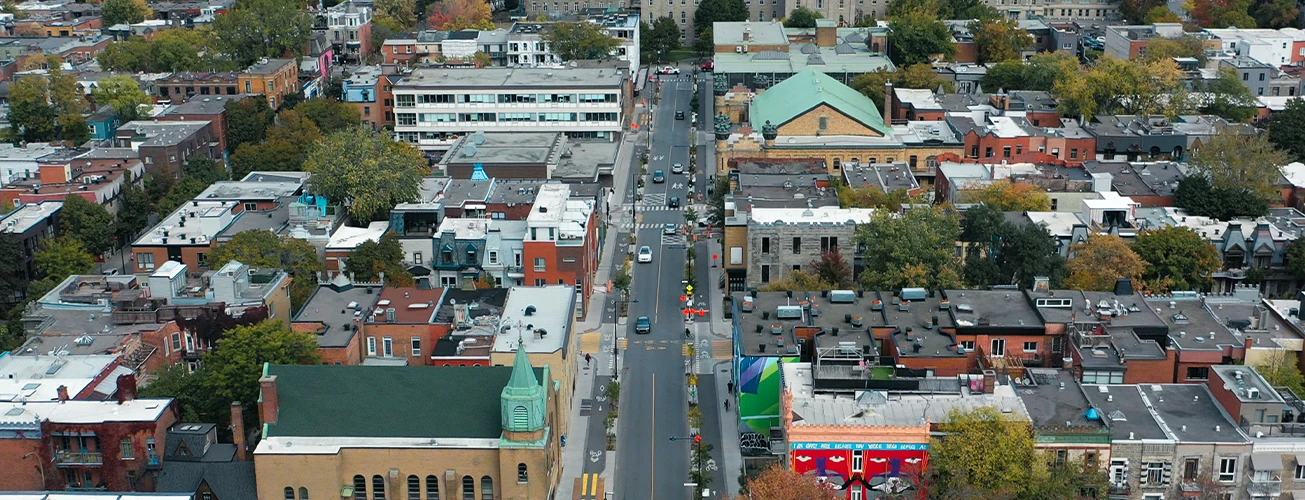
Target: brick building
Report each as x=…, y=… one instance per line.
x=273, y=78
x=167, y=146
x=181, y=86
x=561, y=245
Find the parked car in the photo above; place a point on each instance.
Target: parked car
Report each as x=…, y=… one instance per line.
x=642, y=325
x=645, y=254
x=659, y=177
x=708, y=66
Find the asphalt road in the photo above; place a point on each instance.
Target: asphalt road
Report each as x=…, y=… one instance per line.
x=653, y=389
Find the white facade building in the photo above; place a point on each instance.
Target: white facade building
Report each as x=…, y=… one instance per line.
x=433, y=107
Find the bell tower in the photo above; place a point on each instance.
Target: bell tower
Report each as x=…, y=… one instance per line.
x=524, y=402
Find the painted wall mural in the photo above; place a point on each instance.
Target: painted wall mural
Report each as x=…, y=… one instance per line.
x=758, y=392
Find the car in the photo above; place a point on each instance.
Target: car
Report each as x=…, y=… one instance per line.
x=679, y=115
x=669, y=70
x=645, y=254
x=708, y=66
x=642, y=325
x=704, y=221
x=677, y=168
x=669, y=229
x=659, y=177
x=674, y=202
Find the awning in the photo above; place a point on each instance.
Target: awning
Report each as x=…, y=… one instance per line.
x=1266, y=461
x=473, y=206
x=1300, y=460
x=516, y=275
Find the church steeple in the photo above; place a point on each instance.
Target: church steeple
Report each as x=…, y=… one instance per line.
x=523, y=399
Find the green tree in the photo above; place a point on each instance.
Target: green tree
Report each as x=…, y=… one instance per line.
x=63, y=257
x=1281, y=369
x=13, y=275
x=1098, y=263
x=262, y=28
x=285, y=149
x=1011, y=197
x=1198, y=197
x=659, y=39
x=31, y=118
x=129, y=101
x=1040, y=72
x=371, y=258
x=197, y=176
x=710, y=12
x=1227, y=97
x=124, y=11
x=1003, y=253
x=247, y=122
x=913, y=249
x=917, y=37
x=1000, y=40
x=262, y=248
x=89, y=222
x=1162, y=14
x=704, y=45
x=915, y=76
x=1177, y=258
x=1123, y=87
x=1287, y=129
x=73, y=129
x=874, y=197
x=580, y=40
x=1276, y=14
x=1164, y=49
x=1294, y=258
x=984, y=450
x=400, y=15
x=1235, y=161
x=169, y=51
x=330, y=115
x=801, y=17
x=231, y=371
x=368, y=172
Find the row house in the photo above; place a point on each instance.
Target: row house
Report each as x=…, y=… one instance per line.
x=210, y=109
x=348, y=26
x=1129, y=42
x=1039, y=109
x=167, y=146
x=1143, y=138
x=30, y=226
x=188, y=13
x=271, y=78
x=1066, y=187
x=61, y=24
x=370, y=90
x=1003, y=139
x=181, y=86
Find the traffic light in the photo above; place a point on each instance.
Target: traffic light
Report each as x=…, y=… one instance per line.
x=697, y=438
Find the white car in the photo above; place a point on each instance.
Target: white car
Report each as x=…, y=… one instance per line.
x=645, y=254
x=670, y=70
x=677, y=168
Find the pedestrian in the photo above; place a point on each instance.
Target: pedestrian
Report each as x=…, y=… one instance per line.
x=588, y=358
x=729, y=387
x=727, y=405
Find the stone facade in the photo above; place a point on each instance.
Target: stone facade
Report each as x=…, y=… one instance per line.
x=771, y=255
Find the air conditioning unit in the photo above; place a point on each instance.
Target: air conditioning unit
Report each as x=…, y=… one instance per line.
x=738, y=50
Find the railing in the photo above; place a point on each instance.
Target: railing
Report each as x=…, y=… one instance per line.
x=1265, y=487
x=78, y=457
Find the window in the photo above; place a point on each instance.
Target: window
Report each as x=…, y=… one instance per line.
x=468, y=488
x=858, y=460
x=387, y=347
x=824, y=124
x=856, y=492
x=541, y=264
x=407, y=119
x=828, y=243
x=289, y=493
x=968, y=345
x=1155, y=473
x=1300, y=471
x=998, y=347
x=1198, y=373
x=1030, y=347
x=765, y=273
x=359, y=488
x=128, y=449
x=414, y=488
x=416, y=349
x=1227, y=470
x=1192, y=469
x=765, y=245
x=541, y=282
x=1101, y=377
x=493, y=257
x=378, y=488
x=486, y=488
x=1005, y=152
x=1119, y=472
x=432, y=488
x=797, y=244
x=371, y=346
x=145, y=260
x=523, y=474
x=987, y=152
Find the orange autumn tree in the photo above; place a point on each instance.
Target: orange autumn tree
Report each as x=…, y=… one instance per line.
x=455, y=15
x=1012, y=197
x=779, y=483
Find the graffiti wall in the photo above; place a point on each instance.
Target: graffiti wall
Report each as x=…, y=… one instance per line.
x=838, y=462
x=759, y=388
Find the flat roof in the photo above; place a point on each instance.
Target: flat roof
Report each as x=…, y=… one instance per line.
x=539, y=316
x=267, y=66
x=758, y=33
x=198, y=220
x=505, y=79
x=85, y=412
x=992, y=308
x=161, y=133
x=1192, y=325
x=329, y=305
x=28, y=216
x=245, y=190
x=507, y=148
x=806, y=216
x=763, y=332
x=465, y=228
x=888, y=177
x=1191, y=414
x=349, y=237
x=1056, y=400
x=411, y=305
x=203, y=105
x=1124, y=410
x=1241, y=380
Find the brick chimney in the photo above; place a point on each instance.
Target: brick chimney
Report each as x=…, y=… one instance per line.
x=826, y=33
x=126, y=388
x=63, y=393
x=238, y=430
x=268, y=406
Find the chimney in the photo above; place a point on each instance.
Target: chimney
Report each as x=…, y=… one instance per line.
x=63, y=393
x=267, y=404
x=888, y=102
x=1124, y=286
x=238, y=430
x=126, y=388
x=826, y=33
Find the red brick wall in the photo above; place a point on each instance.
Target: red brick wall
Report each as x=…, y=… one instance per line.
x=1160, y=371
x=113, y=472
x=23, y=474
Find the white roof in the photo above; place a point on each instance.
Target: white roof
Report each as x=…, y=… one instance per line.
x=1004, y=126
x=1295, y=173
x=169, y=269
x=575, y=218
x=29, y=215
x=1057, y=223
x=553, y=312
x=465, y=228
x=1111, y=200
x=203, y=221
x=812, y=215
x=349, y=237
x=550, y=202
x=919, y=98
x=85, y=412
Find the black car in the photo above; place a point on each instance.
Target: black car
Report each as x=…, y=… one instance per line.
x=642, y=325
x=674, y=202
x=679, y=115
x=659, y=177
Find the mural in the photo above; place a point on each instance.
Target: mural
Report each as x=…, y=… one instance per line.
x=758, y=390
x=834, y=462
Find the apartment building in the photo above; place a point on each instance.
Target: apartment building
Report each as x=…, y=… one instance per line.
x=348, y=26
x=274, y=78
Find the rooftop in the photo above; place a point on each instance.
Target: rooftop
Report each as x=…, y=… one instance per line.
x=1140, y=179
x=203, y=105
x=888, y=177
x=1192, y=325
x=251, y=190
x=467, y=310
x=194, y=223
x=309, y=398
x=38, y=377
x=1007, y=309
x=1124, y=409
x=767, y=322
x=349, y=237
x=538, y=316
x=782, y=184
x=507, y=148
x=501, y=79
x=28, y=216
x=1191, y=414
x=805, y=216
x=84, y=412
x=160, y=133
x=268, y=66
x=1056, y=402
x=807, y=89
x=330, y=305
x=411, y=305
x=1246, y=384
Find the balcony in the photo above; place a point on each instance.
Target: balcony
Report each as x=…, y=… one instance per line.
x=1269, y=485
x=78, y=458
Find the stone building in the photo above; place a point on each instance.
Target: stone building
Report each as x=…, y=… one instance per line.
x=783, y=240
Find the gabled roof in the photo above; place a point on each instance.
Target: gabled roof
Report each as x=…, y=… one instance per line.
x=805, y=91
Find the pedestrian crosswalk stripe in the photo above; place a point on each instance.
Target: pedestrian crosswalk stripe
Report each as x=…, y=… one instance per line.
x=591, y=342
x=722, y=349
x=623, y=344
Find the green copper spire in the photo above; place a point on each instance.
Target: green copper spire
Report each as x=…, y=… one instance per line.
x=523, y=397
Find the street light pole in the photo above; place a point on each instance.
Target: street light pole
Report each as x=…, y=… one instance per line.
x=40, y=464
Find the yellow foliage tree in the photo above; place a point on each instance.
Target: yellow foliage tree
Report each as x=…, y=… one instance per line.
x=1012, y=197
x=1124, y=87
x=1096, y=264
x=781, y=483
x=983, y=450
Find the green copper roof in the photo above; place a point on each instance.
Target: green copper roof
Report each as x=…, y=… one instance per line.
x=523, y=377
x=390, y=401
x=807, y=90
x=523, y=400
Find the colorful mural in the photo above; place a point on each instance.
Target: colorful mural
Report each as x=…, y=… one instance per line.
x=835, y=461
x=759, y=387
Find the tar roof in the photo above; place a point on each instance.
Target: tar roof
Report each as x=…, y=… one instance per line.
x=992, y=308
x=1055, y=400
x=1191, y=414
x=1242, y=380
x=506, y=79
x=28, y=216
x=161, y=133
x=1124, y=410
x=268, y=66
x=411, y=305
x=778, y=184
x=507, y=148
x=204, y=105
x=805, y=91
x=329, y=305
x=309, y=400
x=245, y=191
x=1192, y=326
x=484, y=306
x=1140, y=179
x=885, y=176
x=760, y=316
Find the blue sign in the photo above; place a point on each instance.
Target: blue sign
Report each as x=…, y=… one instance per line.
x=479, y=175
x=859, y=446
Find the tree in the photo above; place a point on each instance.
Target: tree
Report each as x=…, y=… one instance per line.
x=169, y=51
x=797, y=281
x=985, y=450
x=1198, y=197
x=704, y=45
x=1000, y=40
x=801, y=17
x=659, y=39
x=285, y=149
x=1135, y=11
x=1227, y=97
x=1294, y=258
x=31, y=118
x=1287, y=129
x=262, y=248
x=73, y=129
x=912, y=249
x=1162, y=14
x=457, y=15
x=368, y=172
x=63, y=257
x=89, y=222
x=945, y=9
x=125, y=95
x=262, y=28
x=1164, y=48
x=400, y=15
x=1040, y=72
x=371, y=258
x=197, y=176
x=134, y=213
x=12, y=269
x=1280, y=369
x=874, y=197
x=580, y=40
x=1276, y=14
x=1012, y=197
x=482, y=59
x=1003, y=253
x=1177, y=258
x=1115, y=86
x=833, y=269
x=1098, y=263
x=781, y=483
x=917, y=37
x=247, y=122
x=1235, y=161
x=710, y=12
x=1205, y=487
x=1220, y=13
x=915, y=76
x=124, y=12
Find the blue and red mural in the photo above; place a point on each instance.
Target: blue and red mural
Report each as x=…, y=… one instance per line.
x=834, y=462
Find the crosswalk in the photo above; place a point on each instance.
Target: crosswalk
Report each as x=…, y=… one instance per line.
x=653, y=199
x=590, y=487
x=658, y=208
x=591, y=343
x=677, y=239
x=722, y=349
